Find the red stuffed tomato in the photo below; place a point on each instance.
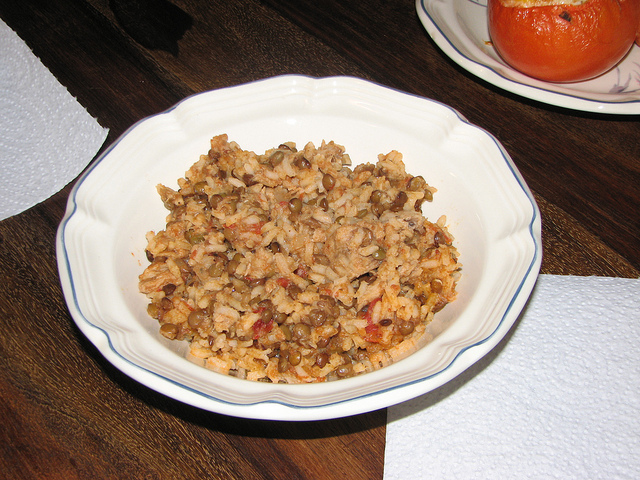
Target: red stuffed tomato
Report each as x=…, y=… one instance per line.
x=563, y=40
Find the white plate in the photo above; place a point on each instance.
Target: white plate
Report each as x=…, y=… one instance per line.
x=101, y=239
x=459, y=28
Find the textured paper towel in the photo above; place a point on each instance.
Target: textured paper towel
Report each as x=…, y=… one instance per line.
x=558, y=398
x=46, y=136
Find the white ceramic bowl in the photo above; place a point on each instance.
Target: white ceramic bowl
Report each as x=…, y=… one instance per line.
x=490, y=211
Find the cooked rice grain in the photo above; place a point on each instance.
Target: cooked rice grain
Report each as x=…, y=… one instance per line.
x=292, y=267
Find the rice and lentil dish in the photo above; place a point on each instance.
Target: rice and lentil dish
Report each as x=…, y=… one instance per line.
x=293, y=267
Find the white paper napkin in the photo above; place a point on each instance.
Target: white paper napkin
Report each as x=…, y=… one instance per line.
x=46, y=136
x=558, y=398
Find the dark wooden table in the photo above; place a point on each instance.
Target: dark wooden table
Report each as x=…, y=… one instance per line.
x=66, y=412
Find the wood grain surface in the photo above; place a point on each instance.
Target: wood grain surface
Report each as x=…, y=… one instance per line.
x=66, y=412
